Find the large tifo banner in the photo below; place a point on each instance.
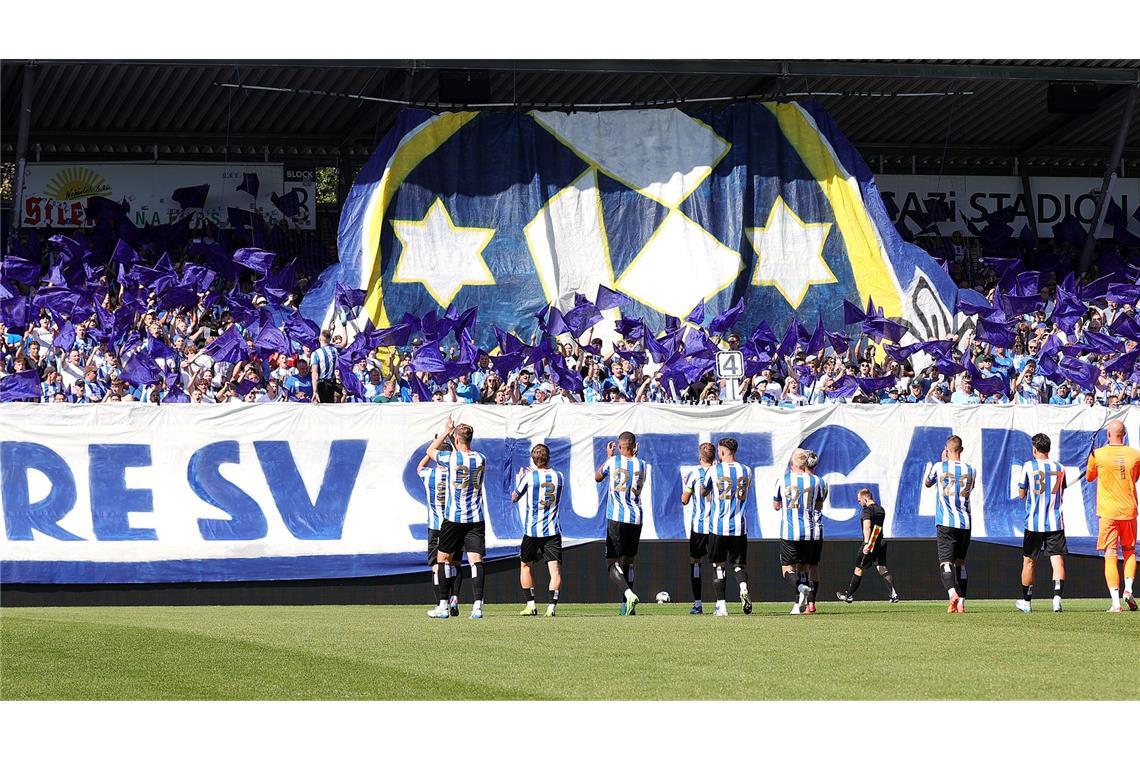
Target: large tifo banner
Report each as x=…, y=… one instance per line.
x=55, y=194
x=240, y=492
x=763, y=202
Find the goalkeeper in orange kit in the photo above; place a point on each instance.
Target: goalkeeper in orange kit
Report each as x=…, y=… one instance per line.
x=1115, y=468
x=873, y=551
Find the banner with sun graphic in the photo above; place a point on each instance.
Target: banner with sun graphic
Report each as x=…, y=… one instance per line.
x=509, y=212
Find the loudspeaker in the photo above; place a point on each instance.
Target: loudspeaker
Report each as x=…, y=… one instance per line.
x=468, y=86
x=1072, y=97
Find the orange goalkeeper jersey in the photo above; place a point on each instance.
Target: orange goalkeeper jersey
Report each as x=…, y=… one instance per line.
x=1115, y=470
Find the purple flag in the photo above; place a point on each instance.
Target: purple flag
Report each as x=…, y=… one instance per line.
x=250, y=183
x=727, y=318
x=609, y=299
x=872, y=385
x=228, y=347
x=658, y=350
x=632, y=329
x=852, y=313
x=845, y=387
x=815, y=343
x=563, y=376
x=1102, y=343
x=554, y=324
x=348, y=298
x=1080, y=372
x=20, y=385
x=990, y=386
x=191, y=197
x=1123, y=293
x=271, y=339
x=787, y=345
x=697, y=315
x=1069, y=309
x=508, y=344
x=348, y=378
x=1125, y=326
x=276, y=285
x=504, y=364
x=397, y=335
x=302, y=330
x=141, y=370
x=763, y=337
x=420, y=392
x=427, y=358
x=256, y=259
x=995, y=333
x=65, y=338
x=1123, y=363
x=839, y=342
x=21, y=270
x=884, y=329
x=581, y=318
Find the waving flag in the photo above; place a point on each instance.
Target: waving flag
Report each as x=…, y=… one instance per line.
x=654, y=210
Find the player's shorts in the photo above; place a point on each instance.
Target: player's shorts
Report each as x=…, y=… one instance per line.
x=877, y=556
x=800, y=552
x=469, y=537
x=546, y=548
x=622, y=539
x=1052, y=542
x=733, y=549
x=1115, y=534
x=952, y=543
x=698, y=545
x=433, y=545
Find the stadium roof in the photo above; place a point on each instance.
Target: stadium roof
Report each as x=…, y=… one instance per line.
x=978, y=113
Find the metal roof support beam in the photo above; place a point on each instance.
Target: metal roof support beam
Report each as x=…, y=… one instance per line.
x=873, y=69
x=1109, y=178
x=23, y=129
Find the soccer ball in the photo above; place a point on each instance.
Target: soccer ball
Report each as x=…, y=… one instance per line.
x=663, y=597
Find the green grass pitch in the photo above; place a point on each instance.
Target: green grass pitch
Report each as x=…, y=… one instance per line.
x=868, y=650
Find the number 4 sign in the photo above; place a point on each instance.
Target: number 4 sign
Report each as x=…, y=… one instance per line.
x=729, y=365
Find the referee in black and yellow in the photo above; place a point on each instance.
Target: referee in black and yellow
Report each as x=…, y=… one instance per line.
x=873, y=551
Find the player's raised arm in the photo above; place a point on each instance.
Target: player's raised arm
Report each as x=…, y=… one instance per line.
x=520, y=484
x=604, y=470
x=433, y=449
x=1023, y=489
x=688, y=485
x=931, y=473
x=1090, y=470
x=777, y=500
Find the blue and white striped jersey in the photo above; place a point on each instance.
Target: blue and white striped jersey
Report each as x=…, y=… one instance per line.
x=464, y=485
x=324, y=362
x=729, y=483
x=955, y=481
x=627, y=476
x=1044, y=484
x=701, y=505
x=541, y=492
x=798, y=493
x=434, y=478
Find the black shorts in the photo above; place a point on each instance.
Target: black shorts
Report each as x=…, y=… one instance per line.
x=733, y=549
x=1052, y=542
x=622, y=539
x=326, y=389
x=698, y=545
x=433, y=545
x=547, y=549
x=952, y=543
x=468, y=537
x=800, y=552
x=878, y=555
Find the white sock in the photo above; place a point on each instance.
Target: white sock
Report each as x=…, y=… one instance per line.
x=478, y=604
x=744, y=588
x=442, y=605
x=1115, y=594
x=950, y=594
x=1128, y=585
x=530, y=604
x=721, y=604
x=697, y=603
x=629, y=595
x=453, y=601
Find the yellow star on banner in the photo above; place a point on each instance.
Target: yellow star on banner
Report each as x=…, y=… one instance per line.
x=790, y=253
x=441, y=256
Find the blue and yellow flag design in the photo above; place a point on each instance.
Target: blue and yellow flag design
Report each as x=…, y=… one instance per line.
x=510, y=212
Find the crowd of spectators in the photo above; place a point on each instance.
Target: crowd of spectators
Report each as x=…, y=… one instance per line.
x=209, y=325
